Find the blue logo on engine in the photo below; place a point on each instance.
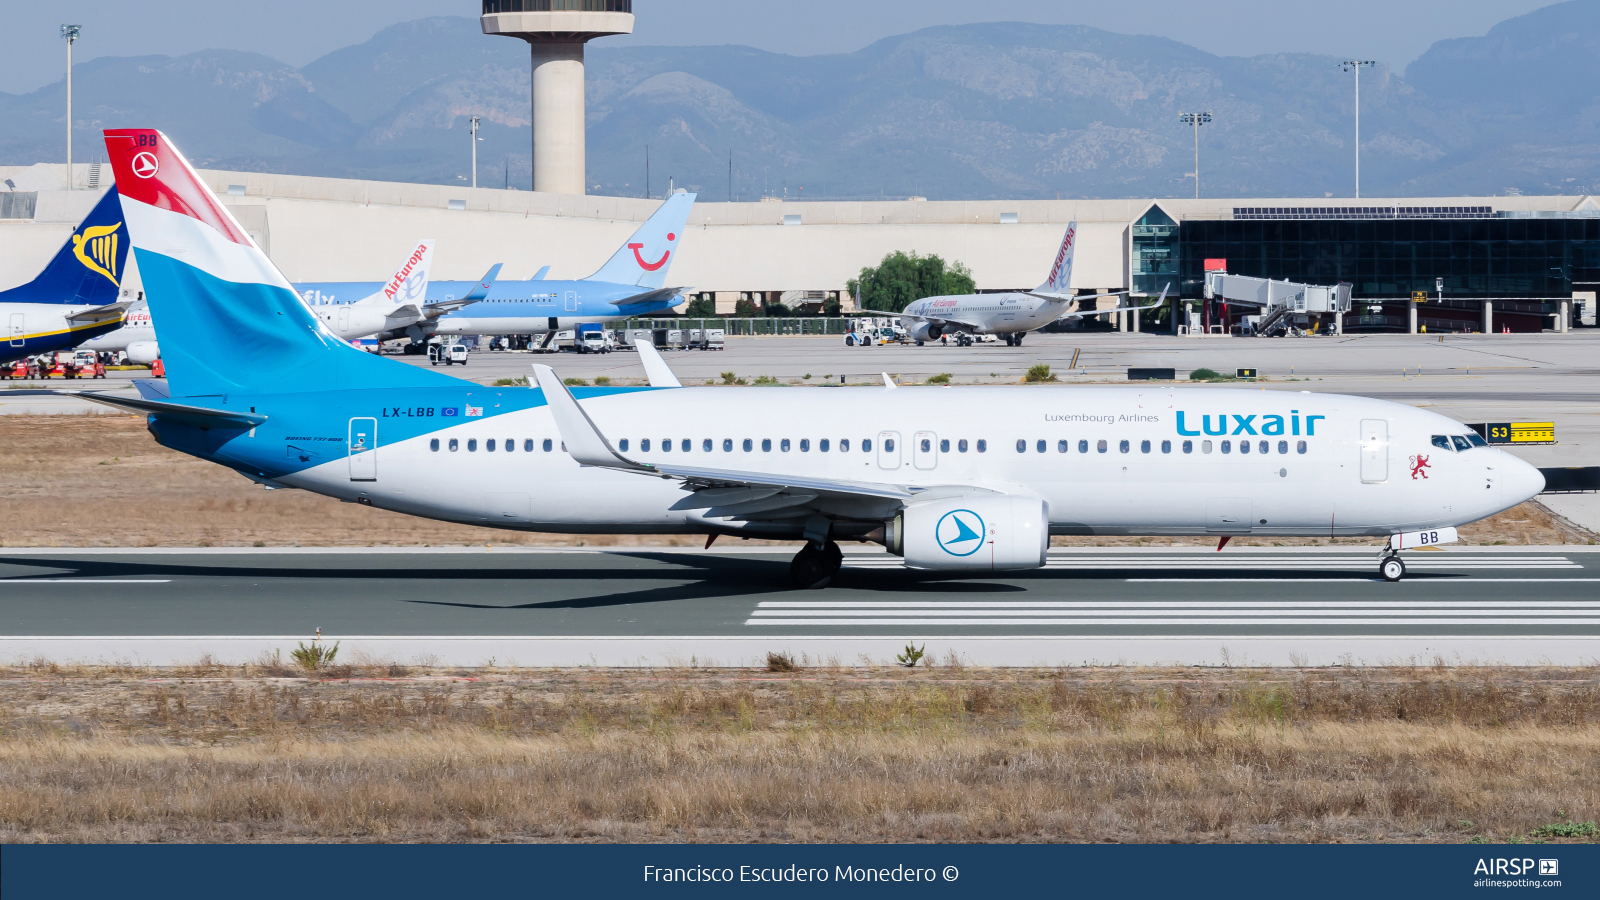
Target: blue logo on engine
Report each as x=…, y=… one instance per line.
x=959, y=532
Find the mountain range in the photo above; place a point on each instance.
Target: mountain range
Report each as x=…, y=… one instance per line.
x=1003, y=109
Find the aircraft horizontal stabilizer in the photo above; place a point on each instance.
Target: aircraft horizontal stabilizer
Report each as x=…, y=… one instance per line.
x=1100, y=312
x=650, y=296
x=478, y=292
x=98, y=314
x=198, y=416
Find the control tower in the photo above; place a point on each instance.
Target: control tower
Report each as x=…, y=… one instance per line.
x=556, y=30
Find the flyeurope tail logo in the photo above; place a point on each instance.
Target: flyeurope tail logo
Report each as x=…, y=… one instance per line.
x=649, y=266
x=96, y=248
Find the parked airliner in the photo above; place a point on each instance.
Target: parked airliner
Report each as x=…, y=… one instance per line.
x=1011, y=314
x=75, y=297
x=950, y=478
x=631, y=283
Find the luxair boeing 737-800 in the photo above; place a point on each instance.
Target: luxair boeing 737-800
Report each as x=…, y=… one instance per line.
x=631, y=283
x=950, y=478
x=1011, y=314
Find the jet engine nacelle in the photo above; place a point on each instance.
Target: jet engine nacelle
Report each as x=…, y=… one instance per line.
x=972, y=532
x=925, y=331
x=143, y=353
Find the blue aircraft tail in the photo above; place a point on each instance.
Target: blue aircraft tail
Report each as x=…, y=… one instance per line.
x=87, y=270
x=644, y=259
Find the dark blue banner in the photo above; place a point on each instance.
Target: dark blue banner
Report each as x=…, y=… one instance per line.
x=875, y=870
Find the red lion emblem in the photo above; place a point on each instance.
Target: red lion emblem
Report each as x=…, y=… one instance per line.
x=1419, y=466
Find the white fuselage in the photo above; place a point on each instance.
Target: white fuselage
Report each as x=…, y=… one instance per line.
x=136, y=328
x=1317, y=464
x=987, y=313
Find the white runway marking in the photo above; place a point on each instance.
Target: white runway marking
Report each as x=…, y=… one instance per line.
x=85, y=580
x=1334, y=580
x=1271, y=562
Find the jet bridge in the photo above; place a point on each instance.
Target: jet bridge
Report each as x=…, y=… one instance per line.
x=1286, y=306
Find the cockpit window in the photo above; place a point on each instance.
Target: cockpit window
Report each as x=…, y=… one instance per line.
x=1441, y=441
x=1461, y=443
x=1477, y=440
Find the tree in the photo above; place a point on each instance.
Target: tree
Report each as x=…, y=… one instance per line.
x=904, y=277
x=703, y=306
x=744, y=308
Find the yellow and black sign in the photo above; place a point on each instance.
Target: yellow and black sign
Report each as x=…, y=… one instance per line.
x=1517, y=432
x=1246, y=373
x=1419, y=296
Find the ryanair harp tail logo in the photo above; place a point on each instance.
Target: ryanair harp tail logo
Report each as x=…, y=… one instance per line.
x=96, y=248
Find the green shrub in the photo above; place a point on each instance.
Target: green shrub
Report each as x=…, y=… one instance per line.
x=767, y=381
x=912, y=656
x=511, y=382
x=1567, y=830
x=1039, y=372
x=315, y=656
x=1209, y=375
x=730, y=378
x=574, y=382
x=602, y=381
x=941, y=378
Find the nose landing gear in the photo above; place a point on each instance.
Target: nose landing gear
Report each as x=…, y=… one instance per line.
x=815, y=565
x=1391, y=567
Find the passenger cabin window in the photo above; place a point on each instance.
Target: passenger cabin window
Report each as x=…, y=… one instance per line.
x=727, y=445
x=1063, y=446
x=1302, y=447
x=623, y=445
x=1263, y=447
x=1083, y=446
x=961, y=445
x=844, y=445
x=685, y=445
x=666, y=445
x=644, y=445
x=805, y=445
x=705, y=445
x=1123, y=446
x=1205, y=446
x=1244, y=447
x=1227, y=447
x=766, y=445
x=1283, y=446
x=1144, y=446
x=983, y=446
x=1100, y=445
x=1039, y=446
x=472, y=445
x=1461, y=443
x=455, y=445
x=927, y=445
x=1166, y=446
x=489, y=446
x=527, y=445
x=822, y=445
x=547, y=445
x=888, y=445
x=1442, y=441
x=784, y=445
x=944, y=445
x=1022, y=446
x=1188, y=446
x=510, y=445
x=434, y=445
x=749, y=445
x=866, y=445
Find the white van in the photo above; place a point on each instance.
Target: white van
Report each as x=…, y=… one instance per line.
x=449, y=354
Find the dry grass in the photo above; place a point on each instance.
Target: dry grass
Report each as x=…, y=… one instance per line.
x=818, y=754
x=91, y=481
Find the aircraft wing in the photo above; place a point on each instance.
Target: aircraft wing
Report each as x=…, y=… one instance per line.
x=99, y=314
x=650, y=296
x=941, y=321
x=431, y=311
x=722, y=492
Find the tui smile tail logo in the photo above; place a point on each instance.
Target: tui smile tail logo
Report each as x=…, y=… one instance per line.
x=649, y=266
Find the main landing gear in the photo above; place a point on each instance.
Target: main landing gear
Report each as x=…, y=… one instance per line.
x=1391, y=567
x=815, y=565
x=1014, y=339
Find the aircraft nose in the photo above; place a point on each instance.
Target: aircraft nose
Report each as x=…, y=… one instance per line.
x=1522, y=479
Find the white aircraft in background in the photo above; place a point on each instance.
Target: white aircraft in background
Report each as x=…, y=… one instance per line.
x=1013, y=313
x=399, y=304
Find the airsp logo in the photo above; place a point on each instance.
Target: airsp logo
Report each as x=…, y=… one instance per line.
x=960, y=532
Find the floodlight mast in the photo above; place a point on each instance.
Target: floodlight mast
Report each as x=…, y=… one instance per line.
x=1356, y=65
x=1196, y=120
x=475, y=139
x=70, y=32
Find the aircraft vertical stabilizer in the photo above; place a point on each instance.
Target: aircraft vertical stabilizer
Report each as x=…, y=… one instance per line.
x=87, y=270
x=1060, y=279
x=644, y=259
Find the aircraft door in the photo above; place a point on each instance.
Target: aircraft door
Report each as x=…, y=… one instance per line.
x=363, y=449
x=925, y=450
x=572, y=301
x=1374, y=451
x=344, y=320
x=19, y=328
x=888, y=449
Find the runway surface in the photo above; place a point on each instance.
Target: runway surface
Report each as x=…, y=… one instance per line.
x=548, y=607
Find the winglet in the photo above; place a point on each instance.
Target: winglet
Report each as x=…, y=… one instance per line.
x=481, y=289
x=579, y=434
x=656, y=368
x=888, y=383
x=543, y=271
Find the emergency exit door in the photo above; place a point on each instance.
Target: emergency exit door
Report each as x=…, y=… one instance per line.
x=363, y=449
x=925, y=450
x=344, y=320
x=888, y=449
x=19, y=328
x=1374, y=450
x=572, y=301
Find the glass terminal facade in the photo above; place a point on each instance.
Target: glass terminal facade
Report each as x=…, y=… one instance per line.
x=1525, y=264
x=1155, y=252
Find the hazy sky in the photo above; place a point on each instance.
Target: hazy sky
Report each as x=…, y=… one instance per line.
x=299, y=31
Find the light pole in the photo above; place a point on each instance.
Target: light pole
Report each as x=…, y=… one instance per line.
x=475, y=139
x=1196, y=120
x=1356, y=65
x=70, y=32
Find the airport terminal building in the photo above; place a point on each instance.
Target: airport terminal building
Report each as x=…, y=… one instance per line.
x=1529, y=263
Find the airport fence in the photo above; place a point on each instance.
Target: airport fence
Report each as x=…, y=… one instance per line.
x=753, y=326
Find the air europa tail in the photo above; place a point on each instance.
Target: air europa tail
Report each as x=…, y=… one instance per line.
x=644, y=259
x=1060, y=279
x=409, y=284
x=87, y=270
x=230, y=322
